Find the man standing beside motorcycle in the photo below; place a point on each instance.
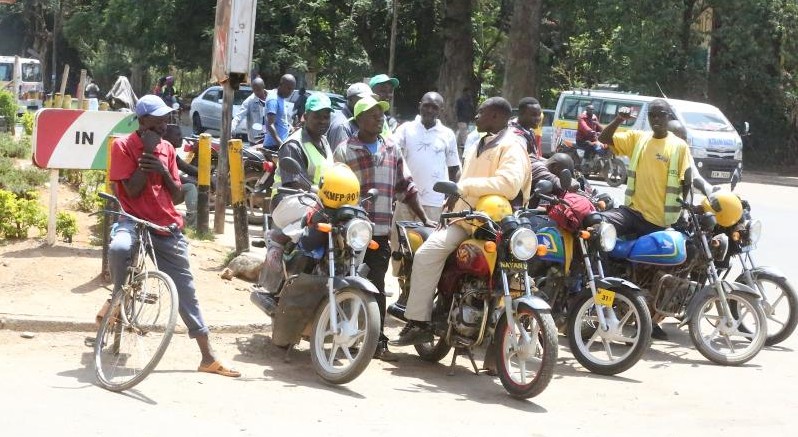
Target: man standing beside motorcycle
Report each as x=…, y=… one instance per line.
x=658, y=161
x=587, y=133
x=278, y=113
x=378, y=163
x=253, y=111
x=498, y=165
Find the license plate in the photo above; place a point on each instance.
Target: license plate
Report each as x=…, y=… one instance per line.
x=605, y=297
x=721, y=174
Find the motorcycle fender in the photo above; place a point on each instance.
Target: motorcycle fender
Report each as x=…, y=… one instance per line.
x=773, y=271
x=354, y=282
x=709, y=289
x=298, y=302
x=612, y=283
x=534, y=302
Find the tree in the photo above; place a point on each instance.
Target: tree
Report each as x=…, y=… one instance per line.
x=457, y=66
x=523, y=41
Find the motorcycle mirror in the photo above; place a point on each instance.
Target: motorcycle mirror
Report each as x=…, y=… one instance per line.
x=688, y=179
x=735, y=179
x=565, y=178
x=544, y=187
x=747, y=128
x=290, y=165
x=446, y=187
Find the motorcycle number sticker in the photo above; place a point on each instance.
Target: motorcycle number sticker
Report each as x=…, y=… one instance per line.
x=605, y=297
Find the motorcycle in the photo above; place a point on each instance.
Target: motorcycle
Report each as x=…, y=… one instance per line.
x=603, y=162
x=484, y=298
x=677, y=268
x=328, y=302
x=779, y=298
x=607, y=321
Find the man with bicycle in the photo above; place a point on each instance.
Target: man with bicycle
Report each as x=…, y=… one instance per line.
x=147, y=184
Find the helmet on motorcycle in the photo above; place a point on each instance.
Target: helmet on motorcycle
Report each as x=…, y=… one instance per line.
x=727, y=207
x=496, y=207
x=338, y=186
x=559, y=162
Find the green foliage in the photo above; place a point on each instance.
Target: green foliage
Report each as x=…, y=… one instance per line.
x=18, y=215
x=197, y=235
x=27, y=122
x=89, y=184
x=11, y=148
x=66, y=225
x=8, y=108
x=21, y=182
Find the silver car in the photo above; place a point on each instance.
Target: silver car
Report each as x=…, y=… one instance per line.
x=206, y=110
x=547, y=135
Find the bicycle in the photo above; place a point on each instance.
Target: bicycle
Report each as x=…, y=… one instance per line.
x=142, y=314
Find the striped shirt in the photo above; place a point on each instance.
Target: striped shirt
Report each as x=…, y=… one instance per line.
x=385, y=171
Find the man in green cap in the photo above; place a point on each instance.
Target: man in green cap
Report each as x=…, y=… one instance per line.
x=377, y=162
x=383, y=86
x=309, y=147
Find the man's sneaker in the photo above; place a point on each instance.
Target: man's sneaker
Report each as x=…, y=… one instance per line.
x=413, y=333
x=658, y=333
x=382, y=352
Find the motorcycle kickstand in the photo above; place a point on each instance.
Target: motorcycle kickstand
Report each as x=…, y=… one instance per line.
x=462, y=351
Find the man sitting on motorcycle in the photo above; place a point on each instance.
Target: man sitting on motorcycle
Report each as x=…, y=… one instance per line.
x=658, y=161
x=498, y=165
x=587, y=133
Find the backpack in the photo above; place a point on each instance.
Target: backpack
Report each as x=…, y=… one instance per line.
x=570, y=217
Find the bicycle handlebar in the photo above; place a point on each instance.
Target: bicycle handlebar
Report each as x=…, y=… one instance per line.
x=168, y=229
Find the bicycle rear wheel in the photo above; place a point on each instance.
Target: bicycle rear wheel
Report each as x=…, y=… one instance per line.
x=129, y=346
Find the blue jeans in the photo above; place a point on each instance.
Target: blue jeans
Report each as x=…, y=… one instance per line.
x=171, y=254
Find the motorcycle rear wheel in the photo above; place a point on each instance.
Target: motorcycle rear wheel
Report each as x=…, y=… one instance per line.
x=629, y=334
x=736, y=346
x=615, y=172
x=438, y=348
x=779, y=298
x=541, y=353
x=340, y=357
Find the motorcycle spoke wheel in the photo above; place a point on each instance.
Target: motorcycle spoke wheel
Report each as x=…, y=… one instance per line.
x=617, y=348
x=779, y=301
x=615, y=172
x=438, y=348
x=339, y=356
x=731, y=340
x=526, y=367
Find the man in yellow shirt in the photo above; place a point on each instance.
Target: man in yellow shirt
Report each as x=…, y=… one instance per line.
x=658, y=162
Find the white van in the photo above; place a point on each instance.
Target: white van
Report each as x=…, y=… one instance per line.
x=23, y=77
x=714, y=143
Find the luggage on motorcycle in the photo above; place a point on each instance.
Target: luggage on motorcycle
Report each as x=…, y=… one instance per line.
x=298, y=302
x=569, y=216
x=666, y=247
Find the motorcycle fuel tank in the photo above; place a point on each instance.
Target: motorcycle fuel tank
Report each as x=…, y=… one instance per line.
x=661, y=248
x=472, y=258
x=552, y=239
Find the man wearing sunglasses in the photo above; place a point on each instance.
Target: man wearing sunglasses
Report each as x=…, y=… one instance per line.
x=658, y=161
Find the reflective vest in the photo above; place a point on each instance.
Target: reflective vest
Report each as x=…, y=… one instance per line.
x=672, y=186
x=316, y=161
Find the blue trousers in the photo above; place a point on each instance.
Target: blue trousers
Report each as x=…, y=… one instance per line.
x=171, y=254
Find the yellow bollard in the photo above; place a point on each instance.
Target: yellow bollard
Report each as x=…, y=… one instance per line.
x=104, y=106
x=58, y=101
x=236, y=171
x=204, y=181
x=67, y=102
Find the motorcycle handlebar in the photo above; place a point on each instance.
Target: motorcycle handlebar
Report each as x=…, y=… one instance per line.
x=449, y=215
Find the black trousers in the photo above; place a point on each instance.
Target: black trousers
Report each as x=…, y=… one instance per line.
x=629, y=223
x=378, y=262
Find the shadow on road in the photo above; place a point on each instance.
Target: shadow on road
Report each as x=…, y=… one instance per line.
x=85, y=374
x=54, y=252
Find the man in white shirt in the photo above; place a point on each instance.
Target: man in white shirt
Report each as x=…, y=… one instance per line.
x=429, y=150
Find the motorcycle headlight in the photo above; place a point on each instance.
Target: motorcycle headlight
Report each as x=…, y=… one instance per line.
x=358, y=234
x=523, y=244
x=754, y=231
x=607, y=236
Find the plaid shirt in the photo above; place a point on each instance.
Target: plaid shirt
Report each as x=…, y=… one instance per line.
x=385, y=171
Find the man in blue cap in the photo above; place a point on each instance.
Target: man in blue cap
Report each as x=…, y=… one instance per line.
x=383, y=86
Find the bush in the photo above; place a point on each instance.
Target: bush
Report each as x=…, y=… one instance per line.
x=18, y=215
x=27, y=122
x=8, y=108
x=21, y=182
x=11, y=148
x=91, y=182
x=66, y=225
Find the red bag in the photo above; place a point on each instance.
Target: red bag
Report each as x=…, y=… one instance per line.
x=570, y=217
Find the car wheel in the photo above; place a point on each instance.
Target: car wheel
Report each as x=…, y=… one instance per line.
x=196, y=123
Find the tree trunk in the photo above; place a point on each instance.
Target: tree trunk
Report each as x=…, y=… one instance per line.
x=521, y=67
x=457, y=68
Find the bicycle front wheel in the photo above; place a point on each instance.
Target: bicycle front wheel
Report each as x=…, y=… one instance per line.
x=136, y=331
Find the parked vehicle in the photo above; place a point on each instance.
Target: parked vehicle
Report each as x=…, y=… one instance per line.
x=726, y=321
x=716, y=147
x=23, y=77
x=605, y=318
x=327, y=302
x=206, y=110
x=484, y=298
x=779, y=297
x=547, y=133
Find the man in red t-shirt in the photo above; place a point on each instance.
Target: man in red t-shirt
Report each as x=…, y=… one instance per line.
x=588, y=131
x=147, y=184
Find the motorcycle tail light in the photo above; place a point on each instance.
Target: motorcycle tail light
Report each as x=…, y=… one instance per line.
x=268, y=166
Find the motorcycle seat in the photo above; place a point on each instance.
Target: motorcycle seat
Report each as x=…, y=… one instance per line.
x=417, y=233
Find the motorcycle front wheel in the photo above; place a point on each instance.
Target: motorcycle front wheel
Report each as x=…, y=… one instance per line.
x=733, y=343
x=526, y=367
x=779, y=301
x=339, y=357
x=611, y=351
x=615, y=172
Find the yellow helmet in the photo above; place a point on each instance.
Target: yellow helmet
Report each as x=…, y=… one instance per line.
x=338, y=186
x=496, y=207
x=727, y=207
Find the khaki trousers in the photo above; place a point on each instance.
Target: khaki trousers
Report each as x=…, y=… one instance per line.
x=427, y=268
x=401, y=213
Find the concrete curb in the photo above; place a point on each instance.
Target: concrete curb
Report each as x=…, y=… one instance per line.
x=16, y=322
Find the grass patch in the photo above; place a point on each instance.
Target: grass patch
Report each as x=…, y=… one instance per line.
x=11, y=148
x=20, y=181
x=229, y=257
x=194, y=234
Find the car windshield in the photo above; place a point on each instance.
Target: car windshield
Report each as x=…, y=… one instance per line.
x=713, y=121
x=31, y=72
x=240, y=95
x=6, y=71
